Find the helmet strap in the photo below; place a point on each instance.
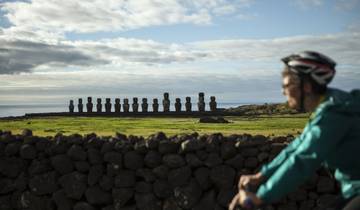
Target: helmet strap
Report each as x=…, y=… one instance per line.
x=302, y=95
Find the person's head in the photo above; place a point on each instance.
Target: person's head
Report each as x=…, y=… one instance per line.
x=305, y=78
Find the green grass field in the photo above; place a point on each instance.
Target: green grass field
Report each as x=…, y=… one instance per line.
x=265, y=125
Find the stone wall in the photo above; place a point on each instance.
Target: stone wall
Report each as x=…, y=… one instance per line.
x=129, y=172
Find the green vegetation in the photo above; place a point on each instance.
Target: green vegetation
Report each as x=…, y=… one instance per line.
x=276, y=108
x=266, y=125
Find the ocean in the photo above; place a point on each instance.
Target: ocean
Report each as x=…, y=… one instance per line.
x=21, y=110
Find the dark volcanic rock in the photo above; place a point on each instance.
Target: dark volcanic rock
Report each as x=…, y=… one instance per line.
x=170, y=204
x=95, y=173
x=12, y=149
x=236, y=162
x=249, y=152
x=213, y=120
x=202, y=176
x=146, y=174
x=121, y=196
x=27, y=152
x=147, y=201
x=228, y=150
x=106, y=182
x=62, y=164
x=193, y=160
x=133, y=160
x=223, y=176
x=6, y=186
x=191, y=145
x=179, y=176
x=225, y=196
x=162, y=189
x=143, y=187
x=113, y=157
x=43, y=184
x=74, y=184
x=5, y=202
x=161, y=171
x=251, y=162
x=94, y=156
x=207, y=201
x=173, y=160
x=77, y=152
x=34, y=202
x=167, y=146
x=152, y=159
x=20, y=183
x=83, y=206
x=82, y=166
x=62, y=202
x=125, y=178
x=187, y=196
x=213, y=160
x=39, y=166
x=95, y=195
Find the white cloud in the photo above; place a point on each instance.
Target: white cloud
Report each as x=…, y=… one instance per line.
x=29, y=53
x=109, y=15
x=309, y=3
x=346, y=5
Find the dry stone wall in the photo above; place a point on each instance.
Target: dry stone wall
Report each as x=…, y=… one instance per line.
x=129, y=172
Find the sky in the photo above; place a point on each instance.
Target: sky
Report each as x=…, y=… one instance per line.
x=52, y=51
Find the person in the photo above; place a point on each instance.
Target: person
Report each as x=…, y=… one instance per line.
x=331, y=138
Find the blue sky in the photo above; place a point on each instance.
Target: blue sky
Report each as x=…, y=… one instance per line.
x=52, y=51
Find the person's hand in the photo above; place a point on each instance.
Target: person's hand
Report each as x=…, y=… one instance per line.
x=246, y=180
x=240, y=198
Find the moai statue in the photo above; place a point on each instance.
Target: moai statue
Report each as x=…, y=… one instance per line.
x=117, y=105
x=108, y=105
x=80, y=105
x=188, y=104
x=213, y=104
x=89, y=105
x=135, y=105
x=126, y=105
x=144, y=105
x=71, y=106
x=178, y=105
x=201, y=103
x=166, y=102
x=98, y=105
x=155, y=105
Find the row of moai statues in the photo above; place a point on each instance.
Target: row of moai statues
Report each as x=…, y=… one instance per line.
x=144, y=105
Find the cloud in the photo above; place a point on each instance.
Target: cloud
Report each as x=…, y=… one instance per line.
x=108, y=15
x=344, y=48
x=309, y=3
x=31, y=54
x=18, y=56
x=346, y=5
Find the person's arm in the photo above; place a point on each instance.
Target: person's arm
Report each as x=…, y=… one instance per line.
x=268, y=169
x=318, y=142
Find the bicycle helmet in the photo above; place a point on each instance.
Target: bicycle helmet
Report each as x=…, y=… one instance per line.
x=320, y=67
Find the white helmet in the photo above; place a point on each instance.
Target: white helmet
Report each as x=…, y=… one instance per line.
x=320, y=67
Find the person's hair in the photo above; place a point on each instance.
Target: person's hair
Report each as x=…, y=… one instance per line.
x=317, y=89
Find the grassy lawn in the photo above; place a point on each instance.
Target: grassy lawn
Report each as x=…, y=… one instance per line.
x=266, y=125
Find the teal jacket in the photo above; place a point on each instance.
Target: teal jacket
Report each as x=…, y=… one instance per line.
x=331, y=138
